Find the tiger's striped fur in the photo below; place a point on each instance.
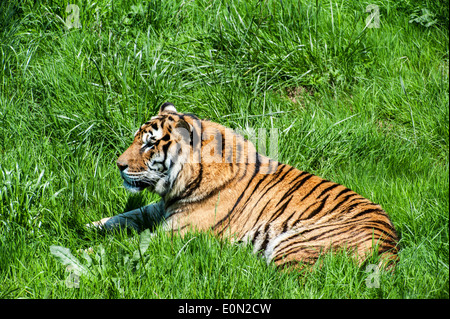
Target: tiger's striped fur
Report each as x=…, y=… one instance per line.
x=209, y=177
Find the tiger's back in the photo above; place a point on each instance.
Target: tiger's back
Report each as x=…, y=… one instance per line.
x=212, y=178
x=294, y=215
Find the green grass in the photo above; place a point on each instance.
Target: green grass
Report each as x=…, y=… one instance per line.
x=365, y=107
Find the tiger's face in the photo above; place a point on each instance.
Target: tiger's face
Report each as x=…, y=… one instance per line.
x=157, y=153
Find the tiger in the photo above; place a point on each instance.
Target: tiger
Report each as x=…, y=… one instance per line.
x=210, y=178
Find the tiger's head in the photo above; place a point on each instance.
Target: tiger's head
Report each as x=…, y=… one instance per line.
x=158, y=152
x=177, y=154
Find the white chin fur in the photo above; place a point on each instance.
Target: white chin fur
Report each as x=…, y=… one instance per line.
x=131, y=188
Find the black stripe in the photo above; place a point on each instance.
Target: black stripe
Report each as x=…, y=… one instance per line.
x=265, y=242
x=223, y=148
x=343, y=201
x=255, y=236
x=250, y=196
x=346, y=190
x=309, y=259
x=156, y=143
x=216, y=190
x=174, y=213
x=284, y=225
x=182, y=227
x=228, y=216
x=345, y=228
x=258, y=184
x=355, y=237
x=165, y=149
x=275, y=182
x=314, y=188
x=300, y=218
x=332, y=233
x=297, y=186
x=368, y=211
x=257, y=164
x=293, y=247
x=195, y=184
x=190, y=115
x=188, y=190
x=326, y=190
x=198, y=139
x=280, y=211
x=318, y=209
x=212, y=193
x=298, y=176
x=349, y=208
x=260, y=213
x=261, y=180
x=386, y=225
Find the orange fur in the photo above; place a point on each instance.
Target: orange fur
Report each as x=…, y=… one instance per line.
x=211, y=178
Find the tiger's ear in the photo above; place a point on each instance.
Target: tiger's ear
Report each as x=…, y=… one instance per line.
x=167, y=107
x=184, y=129
x=183, y=124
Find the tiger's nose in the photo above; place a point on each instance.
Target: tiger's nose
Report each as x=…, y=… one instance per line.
x=122, y=166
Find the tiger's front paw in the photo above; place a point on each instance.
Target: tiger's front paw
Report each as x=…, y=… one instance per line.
x=100, y=224
x=117, y=222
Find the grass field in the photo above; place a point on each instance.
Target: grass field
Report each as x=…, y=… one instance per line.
x=367, y=107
